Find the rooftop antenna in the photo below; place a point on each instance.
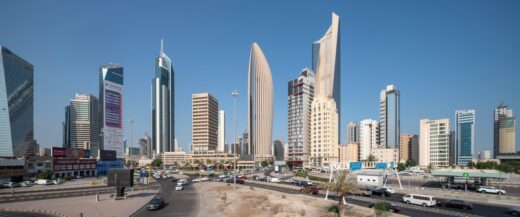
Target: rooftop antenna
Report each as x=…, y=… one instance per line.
x=161, y=47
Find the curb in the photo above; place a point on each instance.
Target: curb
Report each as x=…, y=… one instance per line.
x=34, y=211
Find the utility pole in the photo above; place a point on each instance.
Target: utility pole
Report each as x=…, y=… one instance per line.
x=131, y=139
x=234, y=93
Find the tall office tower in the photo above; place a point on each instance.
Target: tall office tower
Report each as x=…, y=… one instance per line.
x=145, y=145
x=352, y=132
x=81, y=123
x=221, y=131
x=111, y=108
x=300, y=96
x=245, y=149
x=204, y=122
x=16, y=105
x=324, y=141
x=260, y=105
x=434, y=139
x=504, y=130
x=464, y=136
x=368, y=137
x=326, y=60
x=278, y=150
x=409, y=143
x=389, y=111
x=163, y=104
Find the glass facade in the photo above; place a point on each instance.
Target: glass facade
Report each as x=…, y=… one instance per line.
x=465, y=139
x=464, y=134
x=16, y=105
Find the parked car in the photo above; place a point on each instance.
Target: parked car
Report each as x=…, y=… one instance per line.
x=184, y=182
x=179, y=187
x=204, y=179
x=289, y=181
x=310, y=190
x=196, y=180
x=156, y=203
x=275, y=180
x=418, y=199
x=454, y=186
x=390, y=207
x=365, y=192
x=490, y=189
x=26, y=184
x=515, y=211
x=264, y=179
x=382, y=192
x=11, y=185
x=458, y=204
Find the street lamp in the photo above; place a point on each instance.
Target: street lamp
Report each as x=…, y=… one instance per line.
x=131, y=138
x=234, y=93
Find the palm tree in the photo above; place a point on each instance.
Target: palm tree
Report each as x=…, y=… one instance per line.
x=342, y=185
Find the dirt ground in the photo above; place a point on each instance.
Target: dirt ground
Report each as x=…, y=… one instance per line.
x=219, y=199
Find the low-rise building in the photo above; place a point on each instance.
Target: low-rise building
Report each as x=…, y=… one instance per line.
x=74, y=167
x=348, y=153
x=35, y=165
x=386, y=154
x=12, y=169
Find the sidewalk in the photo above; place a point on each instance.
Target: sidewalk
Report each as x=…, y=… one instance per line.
x=87, y=205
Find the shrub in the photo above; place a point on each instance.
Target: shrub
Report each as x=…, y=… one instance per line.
x=66, y=178
x=333, y=208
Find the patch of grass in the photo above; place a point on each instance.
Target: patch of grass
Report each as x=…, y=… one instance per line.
x=283, y=196
x=333, y=208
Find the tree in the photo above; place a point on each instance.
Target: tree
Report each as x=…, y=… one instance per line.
x=264, y=163
x=342, y=185
x=371, y=158
x=157, y=163
x=471, y=164
x=45, y=175
x=411, y=162
x=401, y=167
x=380, y=208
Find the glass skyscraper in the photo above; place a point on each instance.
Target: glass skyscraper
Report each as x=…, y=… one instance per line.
x=389, y=126
x=16, y=105
x=464, y=136
x=81, y=123
x=163, y=104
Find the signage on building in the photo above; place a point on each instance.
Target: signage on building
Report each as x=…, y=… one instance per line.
x=381, y=165
x=279, y=163
x=58, y=152
x=107, y=155
x=113, y=118
x=74, y=164
x=356, y=165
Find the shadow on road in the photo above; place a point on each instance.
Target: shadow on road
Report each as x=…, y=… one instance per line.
x=141, y=195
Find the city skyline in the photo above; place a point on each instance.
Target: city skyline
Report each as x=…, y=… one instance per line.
x=360, y=100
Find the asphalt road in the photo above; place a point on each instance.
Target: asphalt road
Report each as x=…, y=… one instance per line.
x=183, y=203
x=24, y=214
x=510, y=190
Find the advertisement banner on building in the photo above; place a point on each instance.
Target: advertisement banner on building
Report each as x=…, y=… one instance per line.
x=107, y=155
x=58, y=152
x=74, y=164
x=113, y=118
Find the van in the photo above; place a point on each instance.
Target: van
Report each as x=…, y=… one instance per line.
x=42, y=182
x=422, y=200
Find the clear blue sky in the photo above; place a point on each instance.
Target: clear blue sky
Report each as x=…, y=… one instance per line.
x=442, y=55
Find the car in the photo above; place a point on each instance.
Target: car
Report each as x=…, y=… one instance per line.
x=196, y=180
x=418, y=199
x=155, y=204
x=183, y=182
x=381, y=192
x=232, y=181
x=390, y=207
x=289, y=181
x=490, y=189
x=174, y=180
x=365, y=192
x=310, y=190
x=26, y=184
x=242, y=177
x=275, y=180
x=203, y=179
x=458, y=204
x=179, y=187
x=255, y=177
x=222, y=176
x=515, y=211
x=11, y=185
x=454, y=186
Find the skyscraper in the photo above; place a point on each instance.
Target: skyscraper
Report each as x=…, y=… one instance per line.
x=81, y=123
x=326, y=64
x=368, y=137
x=260, y=105
x=389, y=125
x=278, y=150
x=352, y=132
x=145, y=146
x=111, y=108
x=300, y=96
x=16, y=105
x=204, y=122
x=163, y=104
x=464, y=136
x=324, y=131
x=221, y=131
x=504, y=130
x=434, y=143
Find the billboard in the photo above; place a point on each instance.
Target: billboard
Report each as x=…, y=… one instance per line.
x=113, y=109
x=107, y=155
x=113, y=117
x=74, y=164
x=356, y=165
x=58, y=152
x=120, y=177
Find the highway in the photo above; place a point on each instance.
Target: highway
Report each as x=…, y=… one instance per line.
x=183, y=203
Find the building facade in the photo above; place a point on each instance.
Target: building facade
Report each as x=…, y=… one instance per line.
x=352, y=132
x=145, y=146
x=300, y=96
x=204, y=122
x=324, y=132
x=389, y=111
x=504, y=131
x=385, y=154
x=260, y=105
x=464, y=136
x=81, y=123
x=278, y=150
x=368, y=137
x=111, y=108
x=16, y=105
x=348, y=153
x=409, y=144
x=326, y=58
x=434, y=139
x=484, y=155
x=221, y=131
x=163, y=104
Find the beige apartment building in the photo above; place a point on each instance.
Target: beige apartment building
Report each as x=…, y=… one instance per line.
x=434, y=143
x=408, y=147
x=348, y=153
x=324, y=132
x=204, y=122
x=385, y=154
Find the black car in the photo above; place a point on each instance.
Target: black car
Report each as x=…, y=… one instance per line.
x=239, y=181
x=388, y=207
x=155, y=204
x=174, y=180
x=264, y=179
x=381, y=192
x=458, y=204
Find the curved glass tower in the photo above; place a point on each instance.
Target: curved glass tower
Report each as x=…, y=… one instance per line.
x=260, y=105
x=163, y=99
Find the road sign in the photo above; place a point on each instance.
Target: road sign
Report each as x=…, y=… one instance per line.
x=381, y=165
x=465, y=175
x=356, y=165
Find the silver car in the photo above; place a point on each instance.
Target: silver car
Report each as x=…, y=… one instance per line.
x=515, y=211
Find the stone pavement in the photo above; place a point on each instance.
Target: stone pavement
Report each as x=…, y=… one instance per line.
x=87, y=205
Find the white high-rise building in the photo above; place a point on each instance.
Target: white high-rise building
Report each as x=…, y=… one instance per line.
x=368, y=137
x=300, y=96
x=221, y=131
x=81, y=123
x=324, y=132
x=434, y=143
x=260, y=105
x=389, y=111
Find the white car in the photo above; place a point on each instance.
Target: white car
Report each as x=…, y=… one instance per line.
x=203, y=179
x=490, y=189
x=179, y=187
x=196, y=180
x=274, y=180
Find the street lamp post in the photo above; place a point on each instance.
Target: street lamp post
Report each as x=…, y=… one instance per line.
x=131, y=139
x=234, y=93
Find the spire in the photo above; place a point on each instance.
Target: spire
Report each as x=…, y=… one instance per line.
x=162, y=43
